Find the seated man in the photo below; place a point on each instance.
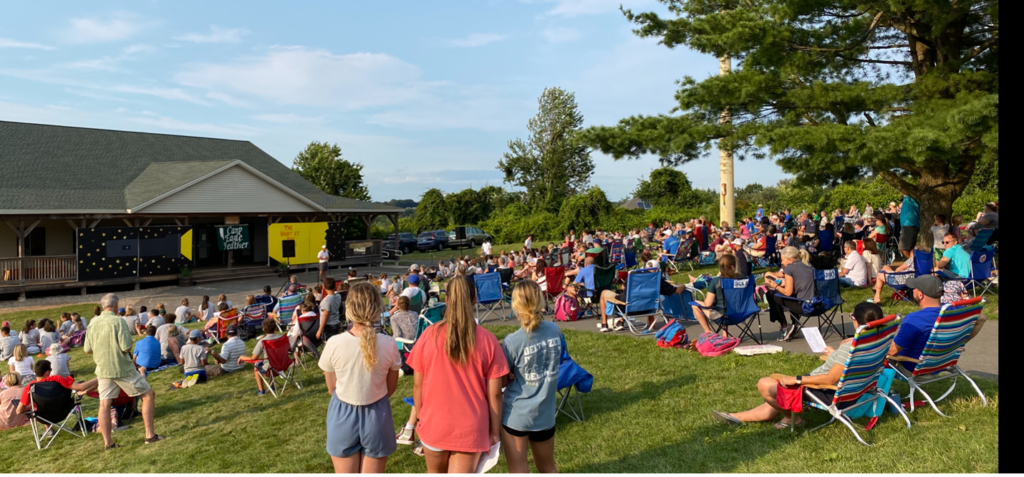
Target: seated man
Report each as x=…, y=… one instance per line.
x=230, y=351
x=268, y=300
x=609, y=298
x=258, y=354
x=917, y=326
x=828, y=373
x=855, y=271
x=587, y=270
x=146, y=352
x=43, y=372
x=955, y=262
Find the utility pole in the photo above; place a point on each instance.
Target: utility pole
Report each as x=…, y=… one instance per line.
x=727, y=200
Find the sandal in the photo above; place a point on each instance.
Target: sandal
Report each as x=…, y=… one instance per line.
x=726, y=418
x=155, y=438
x=112, y=446
x=785, y=425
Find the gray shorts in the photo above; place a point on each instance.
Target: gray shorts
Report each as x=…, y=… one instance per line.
x=323, y=266
x=908, y=237
x=369, y=429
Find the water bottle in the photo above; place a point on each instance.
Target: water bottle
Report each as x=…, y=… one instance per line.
x=895, y=396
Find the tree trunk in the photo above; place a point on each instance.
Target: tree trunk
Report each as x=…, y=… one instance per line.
x=935, y=193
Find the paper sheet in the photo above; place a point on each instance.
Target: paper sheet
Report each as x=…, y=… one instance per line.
x=489, y=459
x=814, y=339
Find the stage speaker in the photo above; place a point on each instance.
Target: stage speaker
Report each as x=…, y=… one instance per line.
x=288, y=248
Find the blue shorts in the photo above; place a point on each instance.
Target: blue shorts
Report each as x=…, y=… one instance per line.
x=369, y=429
x=609, y=308
x=201, y=373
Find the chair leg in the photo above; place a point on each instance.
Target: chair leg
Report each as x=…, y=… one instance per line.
x=984, y=401
x=899, y=407
x=846, y=421
x=928, y=398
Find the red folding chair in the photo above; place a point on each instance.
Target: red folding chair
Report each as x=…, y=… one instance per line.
x=554, y=276
x=227, y=319
x=282, y=367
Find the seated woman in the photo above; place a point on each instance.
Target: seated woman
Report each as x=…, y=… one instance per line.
x=826, y=374
x=29, y=337
x=872, y=258
x=758, y=248
x=9, y=399
x=22, y=363
x=537, y=274
x=907, y=266
x=50, y=335
x=715, y=297
x=795, y=279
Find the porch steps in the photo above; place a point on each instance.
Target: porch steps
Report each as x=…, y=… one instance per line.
x=202, y=277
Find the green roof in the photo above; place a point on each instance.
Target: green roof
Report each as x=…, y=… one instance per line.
x=46, y=167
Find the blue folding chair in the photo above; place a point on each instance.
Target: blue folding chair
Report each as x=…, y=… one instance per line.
x=771, y=254
x=671, y=245
x=572, y=380
x=898, y=280
x=981, y=270
x=827, y=284
x=629, y=260
x=687, y=254
x=826, y=241
x=740, y=307
x=489, y=295
x=642, y=299
x=675, y=306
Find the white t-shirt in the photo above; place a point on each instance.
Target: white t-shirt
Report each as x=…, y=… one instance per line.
x=858, y=270
x=181, y=313
x=24, y=367
x=384, y=285
x=529, y=242
x=487, y=248
x=874, y=263
x=323, y=256
x=355, y=385
x=939, y=233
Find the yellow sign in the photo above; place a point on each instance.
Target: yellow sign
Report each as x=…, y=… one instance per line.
x=308, y=237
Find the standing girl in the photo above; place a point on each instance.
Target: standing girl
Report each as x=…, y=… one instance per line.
x=361, y=370
x=459, y=370
x=528, y=414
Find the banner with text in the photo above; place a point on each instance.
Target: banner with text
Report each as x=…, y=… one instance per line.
x=232, y=237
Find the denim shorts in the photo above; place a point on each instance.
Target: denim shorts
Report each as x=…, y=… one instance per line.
x=369, y=429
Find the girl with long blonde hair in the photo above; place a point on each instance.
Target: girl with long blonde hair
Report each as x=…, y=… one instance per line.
x=459, y=372
x=534, y=353
x=361, y=371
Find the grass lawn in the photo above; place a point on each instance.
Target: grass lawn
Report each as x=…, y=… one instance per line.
x=648, y=412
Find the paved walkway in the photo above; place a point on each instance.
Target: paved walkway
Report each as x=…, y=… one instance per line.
x=980, y=359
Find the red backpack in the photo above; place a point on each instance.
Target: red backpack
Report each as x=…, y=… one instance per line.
x=566, y=308
x=714, y=344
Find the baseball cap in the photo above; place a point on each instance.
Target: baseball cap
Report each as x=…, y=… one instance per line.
x=414, y=267
x=737, y=242
x=6, y=324
x=120, y=310
x=231, y=331
x=195, y=334
x=414, y=279
x=930, y=285
x=323, y=246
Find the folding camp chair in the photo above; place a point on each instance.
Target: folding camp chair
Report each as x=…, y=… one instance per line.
x=282, y=368
x=860, y=375
x=489, y=295
x=827, y=241
x=771, y=254
x=897, y=280
x=941, y=352
x=674, y=306
x=642, y=299
x=980, y=240
x=553, y=278
x=267, y=302
x=687, y=254
x=226, y=319
x=251, y=323
x=827, y=284
x=601, y=278
x=981, y=270
x=616, y=252
x=572, y=380
x=428, y=316
x=739, y=308
x=308, y=344
x=629, y=259
x=286, y=307
x=52, y=407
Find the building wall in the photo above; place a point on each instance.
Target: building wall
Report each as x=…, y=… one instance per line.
x=235, y=190
x=60, y=238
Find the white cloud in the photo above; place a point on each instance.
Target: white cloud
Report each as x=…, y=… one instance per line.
x=216, y=35
x=476, y=39
x=7, y=43
x=139, y=48
x=285, y=118
x=572, y=8
x=118, y=26
x=165, y=93
x=561, y=35
x=228, y=99
x=296, y=75
x=460, y=107
x=163, y=122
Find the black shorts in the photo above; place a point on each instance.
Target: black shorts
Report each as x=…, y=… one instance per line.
x=323, y=266
x=908, y=237
x=826, y=396
x=535, y=436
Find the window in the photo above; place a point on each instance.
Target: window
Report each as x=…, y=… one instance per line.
x=35, y=243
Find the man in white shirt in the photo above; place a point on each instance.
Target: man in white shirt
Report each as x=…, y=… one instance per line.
x=529, y=242
x=323, y=258
x=417, y=298
x=486, y=247
x=854, y=272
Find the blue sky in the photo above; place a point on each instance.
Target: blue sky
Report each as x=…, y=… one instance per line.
x=423, y=94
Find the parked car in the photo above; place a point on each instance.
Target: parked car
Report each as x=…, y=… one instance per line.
x=436, y=240
x=406, y=242
x=467, y=237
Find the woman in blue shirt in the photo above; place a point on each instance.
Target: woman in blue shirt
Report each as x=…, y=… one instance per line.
x=534, y=353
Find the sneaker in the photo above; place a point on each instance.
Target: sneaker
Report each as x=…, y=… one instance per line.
x=405, y=437
x=619, y=325
x=261, y=393
x=604, y=328
x=401, y=372
x=418, y=450
x=155, y=438
x=600, y=325
x=782, y=334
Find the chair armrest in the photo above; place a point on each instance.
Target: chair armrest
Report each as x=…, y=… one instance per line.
x=904, y=358
x=822, y=386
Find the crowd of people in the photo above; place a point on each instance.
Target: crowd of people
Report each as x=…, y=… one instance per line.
x=502, y=392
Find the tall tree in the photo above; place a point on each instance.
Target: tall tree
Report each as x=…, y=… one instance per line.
x=833, y=89
x=550, y=164
x=321, y=163
x=664, y=187
x=432, y=212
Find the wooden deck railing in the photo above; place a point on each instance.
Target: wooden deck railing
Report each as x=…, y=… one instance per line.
x=37, y=269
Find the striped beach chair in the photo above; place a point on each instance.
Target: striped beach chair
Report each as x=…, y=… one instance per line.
x=286, y=308
x=939, y=358
x=867, y=357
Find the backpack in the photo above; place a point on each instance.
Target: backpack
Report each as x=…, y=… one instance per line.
x=566, y=308
x=714, y=344
x=672, y=335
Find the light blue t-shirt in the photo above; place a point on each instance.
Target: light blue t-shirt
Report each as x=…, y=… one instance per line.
x=910, y=213
x=147, y=352
x=533, y=357
x=959, y=260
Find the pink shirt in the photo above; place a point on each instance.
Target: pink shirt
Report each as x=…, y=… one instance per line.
x=455, y=413
x=9, y=417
